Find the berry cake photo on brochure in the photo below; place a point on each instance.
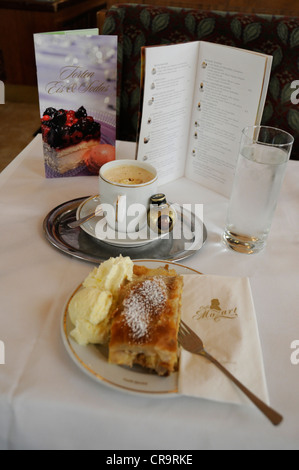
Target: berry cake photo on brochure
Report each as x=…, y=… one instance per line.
x=71, y=140
x=77, y=95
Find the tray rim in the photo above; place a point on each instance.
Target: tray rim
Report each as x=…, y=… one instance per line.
x=72, y=205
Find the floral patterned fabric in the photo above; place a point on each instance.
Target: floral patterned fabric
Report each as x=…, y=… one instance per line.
x=144, y=25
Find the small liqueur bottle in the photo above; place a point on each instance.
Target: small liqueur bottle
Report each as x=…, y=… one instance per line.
x=161, y=216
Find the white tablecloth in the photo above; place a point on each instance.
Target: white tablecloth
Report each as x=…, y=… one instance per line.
x=46, y=402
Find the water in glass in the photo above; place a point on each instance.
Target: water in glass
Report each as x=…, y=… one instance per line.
x=258, y=179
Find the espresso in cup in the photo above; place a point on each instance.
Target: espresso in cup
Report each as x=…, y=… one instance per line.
x=128, y=174
x=125, y=189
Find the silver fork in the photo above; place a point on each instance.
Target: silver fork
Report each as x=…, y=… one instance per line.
x=189, y=340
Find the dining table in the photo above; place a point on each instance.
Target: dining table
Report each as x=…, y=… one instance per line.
x=47, y=402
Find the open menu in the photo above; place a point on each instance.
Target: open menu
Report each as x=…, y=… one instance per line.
x=197, y=98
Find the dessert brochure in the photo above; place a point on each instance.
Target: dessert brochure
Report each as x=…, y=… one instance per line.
x=76, y=74
x=196, y=99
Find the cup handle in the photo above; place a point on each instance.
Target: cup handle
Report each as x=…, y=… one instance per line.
x=120, y=205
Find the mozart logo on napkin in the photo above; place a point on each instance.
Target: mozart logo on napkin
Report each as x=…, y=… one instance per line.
x=215, y=312
x=76, y=74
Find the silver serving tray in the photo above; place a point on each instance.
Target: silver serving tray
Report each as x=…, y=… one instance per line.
x=77, y=243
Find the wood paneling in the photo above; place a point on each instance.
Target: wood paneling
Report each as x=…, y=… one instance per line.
x=17, y=26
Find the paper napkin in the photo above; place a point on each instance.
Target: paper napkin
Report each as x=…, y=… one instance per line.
x=221, y=311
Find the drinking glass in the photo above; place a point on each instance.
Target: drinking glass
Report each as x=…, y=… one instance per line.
x=261, y=165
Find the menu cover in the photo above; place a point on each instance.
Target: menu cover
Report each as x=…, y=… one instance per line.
x=76, y=74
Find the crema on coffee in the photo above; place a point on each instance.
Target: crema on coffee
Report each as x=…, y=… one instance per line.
x=128, y=174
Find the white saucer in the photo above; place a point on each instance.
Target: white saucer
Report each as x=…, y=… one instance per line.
x=125, y=240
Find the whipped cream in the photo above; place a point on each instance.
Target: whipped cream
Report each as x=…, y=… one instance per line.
x=90, y=306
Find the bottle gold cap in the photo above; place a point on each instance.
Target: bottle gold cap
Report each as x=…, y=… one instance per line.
x=158, y=199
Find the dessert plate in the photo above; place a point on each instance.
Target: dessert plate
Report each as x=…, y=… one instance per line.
x=77, y=243
x=93, y=359
x=89, y=206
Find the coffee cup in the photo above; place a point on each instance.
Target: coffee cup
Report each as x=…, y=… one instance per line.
x=125, y=188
